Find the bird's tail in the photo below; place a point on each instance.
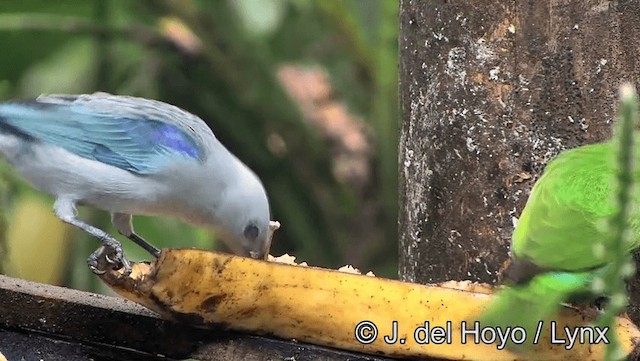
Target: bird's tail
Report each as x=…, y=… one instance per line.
x=538, y=300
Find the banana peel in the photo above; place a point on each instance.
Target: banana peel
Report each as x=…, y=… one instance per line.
x=330, y=308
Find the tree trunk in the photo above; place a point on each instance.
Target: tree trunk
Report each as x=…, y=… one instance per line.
x=490, y=92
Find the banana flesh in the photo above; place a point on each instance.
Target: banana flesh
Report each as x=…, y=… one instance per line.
x=345, y=311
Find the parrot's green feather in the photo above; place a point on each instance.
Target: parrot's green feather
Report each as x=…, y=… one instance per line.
x=559, y=237
x=561, y=222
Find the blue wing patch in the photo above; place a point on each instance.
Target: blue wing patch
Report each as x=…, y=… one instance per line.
x=172, y=137
x=138, y=144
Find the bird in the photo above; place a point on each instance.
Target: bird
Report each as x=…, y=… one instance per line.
x=133, y=156
x=555, y=243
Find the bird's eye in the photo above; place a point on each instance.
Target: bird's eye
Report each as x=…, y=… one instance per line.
x=251, y=232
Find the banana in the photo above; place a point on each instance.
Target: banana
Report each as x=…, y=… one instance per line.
x=347, y=311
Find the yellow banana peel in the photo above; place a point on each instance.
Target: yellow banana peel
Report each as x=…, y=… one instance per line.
x=346, y=311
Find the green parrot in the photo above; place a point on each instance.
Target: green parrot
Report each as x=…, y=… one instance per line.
x=557, y=244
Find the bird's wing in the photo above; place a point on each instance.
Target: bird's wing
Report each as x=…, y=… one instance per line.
x=561, y=223
x=134, y=134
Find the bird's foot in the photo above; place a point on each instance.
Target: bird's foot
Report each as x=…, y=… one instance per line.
x=601, y=303
x=591, y=310
x=109, y=256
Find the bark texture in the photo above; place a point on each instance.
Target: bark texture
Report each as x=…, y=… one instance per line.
x=490, y=91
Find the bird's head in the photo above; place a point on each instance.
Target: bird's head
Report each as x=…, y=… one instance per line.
x=244, y=212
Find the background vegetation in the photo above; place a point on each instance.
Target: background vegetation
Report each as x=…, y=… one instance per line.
x=302, y=91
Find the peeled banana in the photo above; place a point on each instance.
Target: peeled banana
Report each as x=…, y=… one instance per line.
x=348, y=311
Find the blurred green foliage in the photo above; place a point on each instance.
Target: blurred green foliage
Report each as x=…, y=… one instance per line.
x=220, y=59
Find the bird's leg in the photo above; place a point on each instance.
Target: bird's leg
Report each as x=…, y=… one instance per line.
x=66, y=211
x=144, y=244
x=122, y=222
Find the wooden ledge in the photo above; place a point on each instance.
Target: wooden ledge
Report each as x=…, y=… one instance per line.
x=39, y=321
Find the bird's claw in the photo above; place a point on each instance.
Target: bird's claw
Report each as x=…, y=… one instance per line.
x=94, y=268
x=109, y=256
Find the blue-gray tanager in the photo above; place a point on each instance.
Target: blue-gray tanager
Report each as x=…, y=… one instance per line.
x=131, y=156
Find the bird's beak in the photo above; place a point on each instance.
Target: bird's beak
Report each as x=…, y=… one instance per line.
x=258, y=255
x=256, y=250
x=265, y=247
